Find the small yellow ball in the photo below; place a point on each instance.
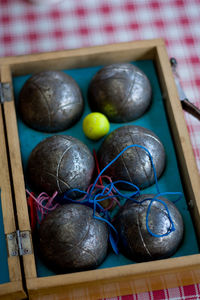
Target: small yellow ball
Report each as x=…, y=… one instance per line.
x=95, y=125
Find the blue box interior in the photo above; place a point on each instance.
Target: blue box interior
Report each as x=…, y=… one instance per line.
x=154, y=119
x=4, y=273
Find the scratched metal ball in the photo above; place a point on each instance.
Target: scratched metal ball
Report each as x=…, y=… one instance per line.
x=121, y=91
x=134, y=165
x=135, y=240
x=71, y=239
x=60, y=163
x=50, y=101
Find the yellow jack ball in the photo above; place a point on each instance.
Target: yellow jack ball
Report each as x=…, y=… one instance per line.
x=95, y=125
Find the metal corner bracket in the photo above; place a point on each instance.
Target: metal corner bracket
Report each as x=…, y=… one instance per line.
x=5, y=92
x=19, y=243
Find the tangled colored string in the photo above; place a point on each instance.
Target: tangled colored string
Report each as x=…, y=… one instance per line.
x=97, y=193
x=43, y=203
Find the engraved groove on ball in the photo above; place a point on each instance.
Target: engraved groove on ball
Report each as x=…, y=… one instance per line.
x=50, y=101
x=70, y=239
x=141, y=236
x=135, y=240
x=45, y=101
x=58, y=167
x=121, y=91
x=134, y=165
x=60, y=163
x=139, y=159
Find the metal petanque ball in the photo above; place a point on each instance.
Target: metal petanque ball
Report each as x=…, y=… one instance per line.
x=134, y=165
x=121, y=91
x=70, y=239
x=60, y=163
x=50, y=101
x=135, y=240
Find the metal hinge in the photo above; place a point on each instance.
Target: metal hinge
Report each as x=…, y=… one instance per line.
x=5, y=92
x=19, y=243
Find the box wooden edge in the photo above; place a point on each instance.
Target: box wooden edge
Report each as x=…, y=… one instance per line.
x=97, y=50
x=126, y=279
x=12, y=290
x=189, y=172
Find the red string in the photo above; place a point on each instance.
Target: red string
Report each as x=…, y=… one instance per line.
x=97, y=166
x=33, y=212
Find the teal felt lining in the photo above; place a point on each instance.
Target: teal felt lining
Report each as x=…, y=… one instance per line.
x=4, y=272
x=154, y=119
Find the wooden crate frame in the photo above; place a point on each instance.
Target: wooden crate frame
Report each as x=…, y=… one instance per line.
x=13, y=289
x=122, y=280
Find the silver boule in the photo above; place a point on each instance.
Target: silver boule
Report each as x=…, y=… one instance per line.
x=134, y=165
x=50, y=101
x=70, y=239
x=60, y=163
x=135, y=240
x=121, y=91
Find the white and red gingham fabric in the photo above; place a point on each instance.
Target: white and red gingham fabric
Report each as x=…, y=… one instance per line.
x=190, y=292
x=26, y=28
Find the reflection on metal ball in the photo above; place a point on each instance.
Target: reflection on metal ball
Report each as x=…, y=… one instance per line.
x=60, y=163
x=121, y=91
x=50, y=101
x=135, y=240
x=134, y=165
x=70, y=239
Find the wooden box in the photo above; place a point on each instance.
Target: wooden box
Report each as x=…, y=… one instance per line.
x=94, y=284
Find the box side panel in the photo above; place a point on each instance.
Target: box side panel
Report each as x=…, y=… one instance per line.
x=16, y=171
x=6, y=195
x=93, y=56
x=185, y=156
x=15, y=157
x=10, y=277
x=7, y=206
x=12, y=291
x=118, y=281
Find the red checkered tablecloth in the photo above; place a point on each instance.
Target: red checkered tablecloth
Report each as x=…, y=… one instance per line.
x=27, y=28
x=190, y=292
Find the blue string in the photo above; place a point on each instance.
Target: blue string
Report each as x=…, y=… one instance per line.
x=111, y=186
x=172, y=193
x=93, y=199
x=110, y=163
x=172, y=227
